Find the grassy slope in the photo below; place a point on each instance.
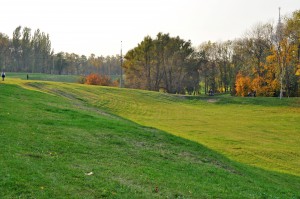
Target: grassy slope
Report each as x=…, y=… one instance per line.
x=263, y=132
x=49, y=143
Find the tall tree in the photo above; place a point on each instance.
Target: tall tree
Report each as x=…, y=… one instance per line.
x=16, y=49
x=26, y=46
x=60, y=62
x=4, y=51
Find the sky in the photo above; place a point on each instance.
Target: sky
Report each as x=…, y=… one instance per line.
x=98, y=26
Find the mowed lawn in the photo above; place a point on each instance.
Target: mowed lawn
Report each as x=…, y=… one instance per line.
x=262, y=132
x=61, y=140
x=45, y=77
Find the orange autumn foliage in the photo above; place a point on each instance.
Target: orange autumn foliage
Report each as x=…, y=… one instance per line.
x=264, y=86
x=265, y=83
x=242, y=85
x=102, y=80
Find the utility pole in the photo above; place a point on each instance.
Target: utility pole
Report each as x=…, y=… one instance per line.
x=299, y=53
x=279, y=38
x=52, y=64
x=121, y=74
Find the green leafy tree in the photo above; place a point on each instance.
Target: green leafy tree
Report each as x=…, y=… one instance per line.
x=160, y=62
x=26, y=46
x=4, y=51
x=16, y=49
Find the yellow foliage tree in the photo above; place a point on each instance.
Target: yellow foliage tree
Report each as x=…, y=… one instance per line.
x=267, y=84
x=242, y=85
x=283, y=58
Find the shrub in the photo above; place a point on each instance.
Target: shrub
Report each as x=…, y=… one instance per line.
x=96, y=79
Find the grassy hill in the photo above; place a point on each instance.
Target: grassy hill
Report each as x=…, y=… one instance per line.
x=61, y=140
x=262, y=132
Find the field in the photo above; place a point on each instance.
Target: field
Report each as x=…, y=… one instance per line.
x=63, y=140
x=46, y=77
x=53, y=78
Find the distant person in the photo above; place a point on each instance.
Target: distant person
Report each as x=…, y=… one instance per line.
x=3, y=75
x=27, y=76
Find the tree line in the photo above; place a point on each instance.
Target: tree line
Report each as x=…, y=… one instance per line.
x=29, y=51
x=265, y=61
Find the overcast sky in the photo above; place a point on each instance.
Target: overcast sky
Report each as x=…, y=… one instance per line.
x=99, y=26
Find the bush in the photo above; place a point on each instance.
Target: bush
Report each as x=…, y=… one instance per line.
x=96, y=79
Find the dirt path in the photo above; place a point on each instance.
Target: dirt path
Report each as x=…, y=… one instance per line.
x=77, y=102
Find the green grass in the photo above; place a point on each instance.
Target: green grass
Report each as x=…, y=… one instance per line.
x=262, y=132
x=44, y=77
x=51, y=140
x=51, y=77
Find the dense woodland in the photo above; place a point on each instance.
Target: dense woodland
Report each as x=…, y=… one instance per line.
x=264, y=62
x=29, y=51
